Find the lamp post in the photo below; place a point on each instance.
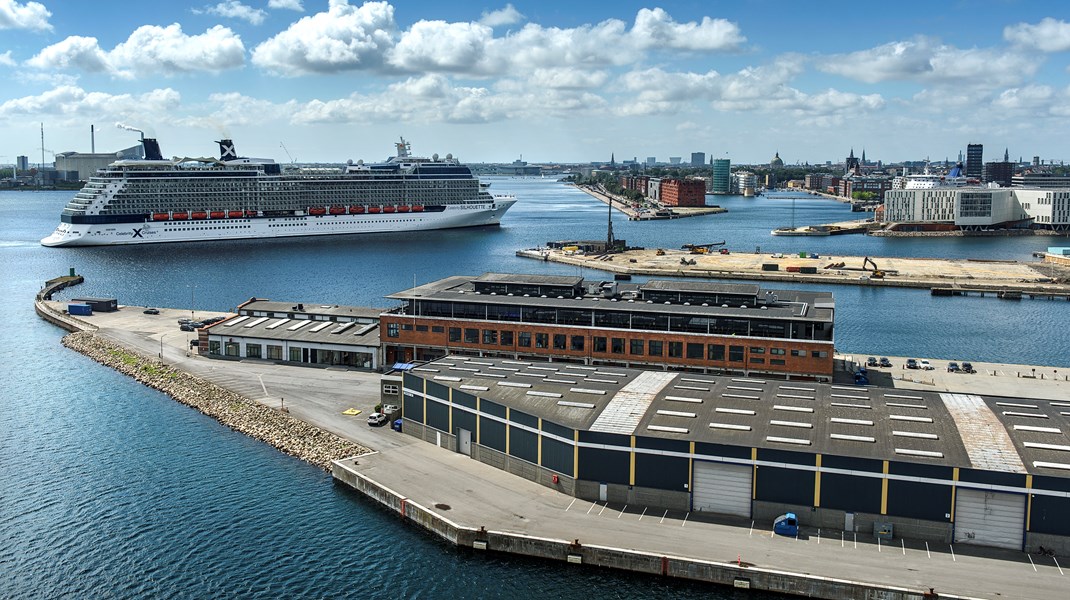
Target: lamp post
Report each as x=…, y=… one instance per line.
x=191, y=287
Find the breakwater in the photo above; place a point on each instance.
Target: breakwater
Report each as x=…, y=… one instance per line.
x=280, y=430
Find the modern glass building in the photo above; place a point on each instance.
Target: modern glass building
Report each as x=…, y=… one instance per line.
x=722, y=176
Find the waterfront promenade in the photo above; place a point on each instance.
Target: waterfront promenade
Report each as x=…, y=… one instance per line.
x=965, y=274
x=471, y=494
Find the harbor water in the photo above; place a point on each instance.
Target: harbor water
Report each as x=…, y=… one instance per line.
x=110, y=489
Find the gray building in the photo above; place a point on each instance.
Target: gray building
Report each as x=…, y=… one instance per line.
x=698, y=159
x=86, y=165
x=899, y=463
x=22, y=163
x=975, y=161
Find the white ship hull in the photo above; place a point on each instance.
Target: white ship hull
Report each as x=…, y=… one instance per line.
x=454, y=216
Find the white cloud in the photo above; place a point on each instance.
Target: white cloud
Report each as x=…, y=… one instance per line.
x=234, y=9
x=31, y=15
x=434, y=46
x=343, y=38
x=654, y=28
x=286, y=5
x=150, y=50
x=1049, y=35
x=566, y=78
x=1029, y=97
x=926, y=60
x=68, y=104
x=503, y=16
x=6, y=60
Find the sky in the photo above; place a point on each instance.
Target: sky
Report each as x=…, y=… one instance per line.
x=327, y=81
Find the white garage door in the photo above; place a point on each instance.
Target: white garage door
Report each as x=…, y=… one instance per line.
x=989, y=518
x=722, y=488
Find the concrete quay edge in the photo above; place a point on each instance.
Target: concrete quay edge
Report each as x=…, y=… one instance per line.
x=650, y=563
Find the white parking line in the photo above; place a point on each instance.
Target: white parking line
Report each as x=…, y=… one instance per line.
x=1057, y=565
x=685, y=519
x=603, y=509
x=1032, y=564
x=751, y=531
x=953, y=559
x=622, y=510
x=856, y=541
x=927, y=553
x=592, y=508
x=819, y=535
x=570, y=504
x=904, y=546
x=841, y=539
x=663, y=516
x=644, y=514
x=878, y=544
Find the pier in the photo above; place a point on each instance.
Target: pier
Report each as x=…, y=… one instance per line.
x=1035, y=279
x=672, y=212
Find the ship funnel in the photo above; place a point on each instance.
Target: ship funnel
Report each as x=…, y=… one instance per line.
x=152, y=149
x=226, y=150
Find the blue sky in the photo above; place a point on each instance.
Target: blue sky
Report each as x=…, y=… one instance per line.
x=548, y=80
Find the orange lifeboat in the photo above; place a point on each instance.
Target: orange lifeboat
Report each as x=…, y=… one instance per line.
x=160, y=216
x=356, y=210
x=200, y=214
x=338, y=210
x=250, y=213
x=373, y=209
x=218, y=214
x=317, y=210
x=236, y=214
x=179, y=216
x=417, y=208
x=389, y=208
x=403, y=208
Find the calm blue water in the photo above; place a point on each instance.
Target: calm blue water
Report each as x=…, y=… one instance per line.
x=109, y=489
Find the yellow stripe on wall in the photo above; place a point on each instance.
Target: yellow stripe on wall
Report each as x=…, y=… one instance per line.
x=507, y=428
x=631, y=467
x=817, y=483
x=538, y=459
x=576, y=454
x=754, y=474
x=1028, y=500
x=954, y=488
x=884, y=490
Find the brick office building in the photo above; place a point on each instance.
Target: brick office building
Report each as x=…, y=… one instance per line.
x=683, y=192
x=696, y=326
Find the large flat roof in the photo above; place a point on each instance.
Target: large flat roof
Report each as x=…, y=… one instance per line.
x=790, y=304
x=299, y=330
x=313, y=308
x=956, y=430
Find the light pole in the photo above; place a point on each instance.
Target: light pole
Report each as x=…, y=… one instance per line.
x=191, y=287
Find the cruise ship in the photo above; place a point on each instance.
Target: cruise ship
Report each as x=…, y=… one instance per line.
x=156, y=200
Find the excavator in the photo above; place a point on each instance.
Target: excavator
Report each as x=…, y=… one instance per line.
x=701, y=248
x=875, y=273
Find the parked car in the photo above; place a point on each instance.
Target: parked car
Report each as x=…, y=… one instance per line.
x=377, y=419
x=187, y=327
x=925, y=366
x=871, y=361
x=952, y=367
x=885, y=362
x=967, y=368
x=151, y=311
x=184, y=320
x=912, y=364
x=213, y=320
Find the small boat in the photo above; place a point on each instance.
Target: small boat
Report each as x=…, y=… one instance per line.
x=356, y=210
x=374, y=209
x=179, y=216
x=236, y=214
x=218, y=214
x=338, y=210
x=160, y=216
x=317, y=210
x=404, y=208
x=389, y=208
x=417, y=208
x=200, y=214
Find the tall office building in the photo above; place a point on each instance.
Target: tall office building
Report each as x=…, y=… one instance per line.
x=650, y=160
x=974, y=164
x=698, y=159
x=23, y=163
x=722, y=176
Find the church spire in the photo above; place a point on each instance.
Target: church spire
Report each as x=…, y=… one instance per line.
x=612, y=160
x=1006, y=155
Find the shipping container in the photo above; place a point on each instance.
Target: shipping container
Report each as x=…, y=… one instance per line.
x=80, y=309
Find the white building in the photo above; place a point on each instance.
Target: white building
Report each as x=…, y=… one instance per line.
x=313, y=334
x=979, y=207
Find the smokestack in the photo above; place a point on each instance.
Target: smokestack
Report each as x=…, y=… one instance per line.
x=226, y=150
x=152, y=149
x=92, y=140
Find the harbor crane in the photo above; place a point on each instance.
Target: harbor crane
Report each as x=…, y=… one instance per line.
x=701, y=248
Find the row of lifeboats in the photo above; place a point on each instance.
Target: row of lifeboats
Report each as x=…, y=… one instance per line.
x=358, y=209
x=199, y=215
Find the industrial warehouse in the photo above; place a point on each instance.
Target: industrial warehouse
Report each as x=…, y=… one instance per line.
x=945, y=467
x=686, y=325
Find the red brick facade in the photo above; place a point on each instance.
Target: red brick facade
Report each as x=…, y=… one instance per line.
x=406, y=338
x=683, y=192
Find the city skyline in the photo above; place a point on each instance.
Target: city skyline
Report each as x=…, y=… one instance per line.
x=549, y=81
